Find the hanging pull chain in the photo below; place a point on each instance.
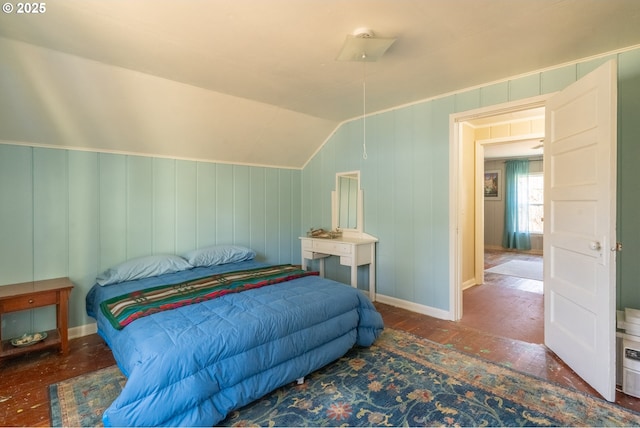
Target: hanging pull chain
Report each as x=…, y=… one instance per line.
x=364, y=120
x=364, y=111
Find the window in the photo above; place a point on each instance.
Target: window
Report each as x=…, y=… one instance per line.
x=531, y=187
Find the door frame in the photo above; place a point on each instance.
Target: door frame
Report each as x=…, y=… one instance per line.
x=455, y=148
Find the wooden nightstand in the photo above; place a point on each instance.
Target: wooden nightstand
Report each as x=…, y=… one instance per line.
x=29, y=295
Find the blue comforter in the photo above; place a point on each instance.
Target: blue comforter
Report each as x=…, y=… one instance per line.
x=193, y=365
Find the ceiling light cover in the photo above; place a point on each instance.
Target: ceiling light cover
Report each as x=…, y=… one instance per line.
x=364, y=46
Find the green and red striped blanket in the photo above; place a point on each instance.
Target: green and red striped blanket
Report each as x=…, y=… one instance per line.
x=123, y=310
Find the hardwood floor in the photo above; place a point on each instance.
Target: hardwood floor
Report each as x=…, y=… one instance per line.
x=24, y=380
x=506, y=305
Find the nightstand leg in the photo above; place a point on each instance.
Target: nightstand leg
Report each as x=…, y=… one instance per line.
x=62, y=314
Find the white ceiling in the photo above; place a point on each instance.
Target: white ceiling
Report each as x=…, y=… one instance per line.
x=281, y=53
x=529, y=148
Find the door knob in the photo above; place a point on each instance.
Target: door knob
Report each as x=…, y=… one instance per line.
x=595, y=245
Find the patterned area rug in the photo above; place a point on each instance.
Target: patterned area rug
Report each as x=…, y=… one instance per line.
x=401, y=380
x=80, y=401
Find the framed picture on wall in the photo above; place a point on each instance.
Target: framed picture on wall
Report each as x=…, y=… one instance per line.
x=493, y=185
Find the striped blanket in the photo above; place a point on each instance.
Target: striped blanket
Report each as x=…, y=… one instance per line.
x=123, y=310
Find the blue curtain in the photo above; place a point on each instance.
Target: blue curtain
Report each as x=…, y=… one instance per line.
x=516, y=206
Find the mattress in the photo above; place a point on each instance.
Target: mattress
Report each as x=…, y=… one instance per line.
x=194, y=364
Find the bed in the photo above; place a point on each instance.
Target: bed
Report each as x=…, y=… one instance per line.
x=190, y=362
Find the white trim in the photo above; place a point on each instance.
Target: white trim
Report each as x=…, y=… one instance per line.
x=87, y=329
x=502, y=108
x=478, y=190
x=455, y=120
x=82, y=330
x=471, y=88
x=326, y=140
x=500, y=248
x=506, y=122
x=511, y=139
x=414, y=307
x=469, y=283
x=146, y=155
x=455, y=290
x=506, y=79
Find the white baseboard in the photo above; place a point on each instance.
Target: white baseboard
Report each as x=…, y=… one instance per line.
x=469, y=283
x=538, y=252
x=82, y=330
x=87, y=329
x=414, y=307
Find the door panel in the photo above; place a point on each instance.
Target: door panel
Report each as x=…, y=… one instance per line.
x=580, y=191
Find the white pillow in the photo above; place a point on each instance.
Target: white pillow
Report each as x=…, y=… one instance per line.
x=219, y=255
x=143, y=267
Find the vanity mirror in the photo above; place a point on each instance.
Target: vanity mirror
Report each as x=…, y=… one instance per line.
x=350, y=244
x=347, y=202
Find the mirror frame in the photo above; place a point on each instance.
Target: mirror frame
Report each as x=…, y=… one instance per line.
x=335, y=204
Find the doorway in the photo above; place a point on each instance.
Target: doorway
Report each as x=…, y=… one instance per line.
x=474, y=132
x=505, y=294
x=580, y=212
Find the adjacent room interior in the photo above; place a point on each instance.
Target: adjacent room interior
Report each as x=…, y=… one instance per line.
x=509, y=301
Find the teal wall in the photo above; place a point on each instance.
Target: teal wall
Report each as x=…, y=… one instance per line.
x=628, y=224
x=405, y=181
x=75, y=213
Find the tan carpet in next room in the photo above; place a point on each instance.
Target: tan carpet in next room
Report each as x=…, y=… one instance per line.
x=505, y=311
x=531, y=269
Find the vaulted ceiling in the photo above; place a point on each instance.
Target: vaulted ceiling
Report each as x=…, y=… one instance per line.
x=276, y=58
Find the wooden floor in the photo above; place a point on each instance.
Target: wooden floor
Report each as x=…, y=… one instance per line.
x=24, y=380
x=506, y=305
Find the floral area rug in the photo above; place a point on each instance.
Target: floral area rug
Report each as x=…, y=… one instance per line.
x=80, y=401
x=402, y=380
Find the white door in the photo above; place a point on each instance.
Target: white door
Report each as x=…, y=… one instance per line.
x=580, y=192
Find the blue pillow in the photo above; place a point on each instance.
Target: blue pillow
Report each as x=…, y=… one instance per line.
x=143, y=267
x=219, y=255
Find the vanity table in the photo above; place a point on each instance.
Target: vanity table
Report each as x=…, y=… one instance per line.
x=353, y=252
x=353, y=246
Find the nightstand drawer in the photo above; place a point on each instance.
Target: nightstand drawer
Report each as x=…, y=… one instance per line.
x=21, y=303
x=36, y=294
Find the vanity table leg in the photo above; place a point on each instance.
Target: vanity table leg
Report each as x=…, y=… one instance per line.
x=354, y=275
x=372, y=281
x=322, y=267
x=372, y=274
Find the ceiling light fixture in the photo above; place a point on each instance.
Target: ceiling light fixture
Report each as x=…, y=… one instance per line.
x=364, y=46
